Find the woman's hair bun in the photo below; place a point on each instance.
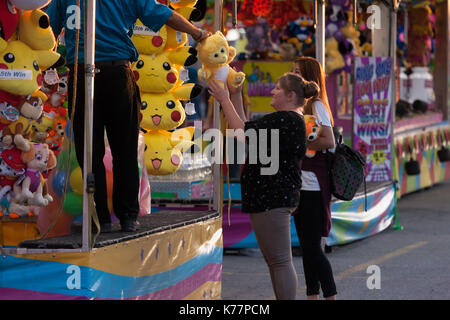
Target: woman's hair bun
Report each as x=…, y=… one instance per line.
x=311, y=89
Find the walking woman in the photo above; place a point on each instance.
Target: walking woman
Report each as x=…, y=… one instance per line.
x=313, y=217
x=270, y=199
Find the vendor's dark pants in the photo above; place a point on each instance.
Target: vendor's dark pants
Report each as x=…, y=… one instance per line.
x=116, y=109
x=309, y=222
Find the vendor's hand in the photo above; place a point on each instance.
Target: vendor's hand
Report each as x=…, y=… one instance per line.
x=202, y=35
x=216, y=90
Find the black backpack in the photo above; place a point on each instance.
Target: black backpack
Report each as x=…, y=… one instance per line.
x=346, y=172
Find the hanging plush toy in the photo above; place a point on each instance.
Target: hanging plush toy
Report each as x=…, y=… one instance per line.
x=335, y=20
x=312, y=132
x=215, y=55
x=30, y=191
x=177, y=4
x=34, y=30
x=333, y=59
x=258, y=37
x=287, y=50
x=159, y=73
x=163, y=152
x=302, y=29
x=20, y=67
x=20, y=130
x=56, y=134
x=164, y=111
x=11, y=168
x=420, y=31
x=147, y=41
x=41, y=128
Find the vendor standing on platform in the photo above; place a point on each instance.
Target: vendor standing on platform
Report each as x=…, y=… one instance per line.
x=117, y=99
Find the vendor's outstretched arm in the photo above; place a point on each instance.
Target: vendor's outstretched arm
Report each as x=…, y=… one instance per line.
x=222, y=96
x=180, y=23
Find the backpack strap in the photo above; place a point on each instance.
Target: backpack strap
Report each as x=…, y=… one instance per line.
x=365, y=195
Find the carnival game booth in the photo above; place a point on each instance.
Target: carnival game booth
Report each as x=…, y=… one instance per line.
x=49, y=251
x=369, y=77
x=358, y=82
x=422, y=131
x=273, y=37
x=420, y=120
x=379, y=60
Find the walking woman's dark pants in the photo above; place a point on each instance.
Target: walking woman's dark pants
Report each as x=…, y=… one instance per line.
x=309, y=222
x=116, y=109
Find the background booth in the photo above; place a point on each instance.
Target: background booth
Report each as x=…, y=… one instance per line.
x=269, y=37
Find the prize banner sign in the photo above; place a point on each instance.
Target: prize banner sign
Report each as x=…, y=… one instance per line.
x=372, y=117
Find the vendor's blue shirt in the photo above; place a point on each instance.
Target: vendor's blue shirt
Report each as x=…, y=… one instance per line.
x=115, y=20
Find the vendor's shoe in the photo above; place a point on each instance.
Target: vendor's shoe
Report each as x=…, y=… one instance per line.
x=77, y=227
x=105, y=228
x=128, y=225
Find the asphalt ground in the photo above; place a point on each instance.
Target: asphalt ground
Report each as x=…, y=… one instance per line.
x=408, y=264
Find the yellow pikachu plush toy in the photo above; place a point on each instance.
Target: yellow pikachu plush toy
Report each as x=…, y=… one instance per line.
x=147, y=41
x=215, y=54
x=177, y=4
x=159, y=73
x=164, y=110
x=34, y=30
x=163, y=150
x=20, y=67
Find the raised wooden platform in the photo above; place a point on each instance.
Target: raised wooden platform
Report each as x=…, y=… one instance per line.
x=149, y=224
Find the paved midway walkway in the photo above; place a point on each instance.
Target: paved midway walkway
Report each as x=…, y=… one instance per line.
x=412, y=263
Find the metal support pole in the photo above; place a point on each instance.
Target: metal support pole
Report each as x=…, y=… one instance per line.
x=217, y=167
x=320, y=32
x=392, y=53
x=89, y=60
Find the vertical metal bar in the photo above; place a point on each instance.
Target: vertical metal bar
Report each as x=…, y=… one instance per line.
x=89, y=60
x=218, y=7
x=320, y=32
x=405, y=31
x=354, y=16
x=314, y=14
x=234, y=13
x=392, y=53
x=353, y=99
x=217, y=168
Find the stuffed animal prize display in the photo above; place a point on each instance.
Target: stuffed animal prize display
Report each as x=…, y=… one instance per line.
x=27, y=52
x=160, y=76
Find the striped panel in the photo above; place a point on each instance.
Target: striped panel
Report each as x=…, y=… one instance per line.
x=354, y=224
x=173, y=270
